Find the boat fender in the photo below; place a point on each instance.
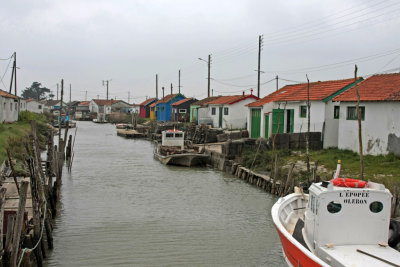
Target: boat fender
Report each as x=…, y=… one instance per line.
x=394, y=234
x=348, y=182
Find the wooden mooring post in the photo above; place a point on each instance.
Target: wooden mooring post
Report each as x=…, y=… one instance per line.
x=25, y=244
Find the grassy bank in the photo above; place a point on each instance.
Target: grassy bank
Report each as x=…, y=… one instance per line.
x=14, y=135
x=383, y=169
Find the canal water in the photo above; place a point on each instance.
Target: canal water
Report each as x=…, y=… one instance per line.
x=121, y=207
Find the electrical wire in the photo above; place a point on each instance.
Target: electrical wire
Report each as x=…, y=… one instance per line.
x=5, y=72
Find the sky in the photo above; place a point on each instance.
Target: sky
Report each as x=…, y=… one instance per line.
x=86, y=42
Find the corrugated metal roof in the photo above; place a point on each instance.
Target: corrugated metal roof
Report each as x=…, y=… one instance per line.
x=382, y=87
x=298, y=92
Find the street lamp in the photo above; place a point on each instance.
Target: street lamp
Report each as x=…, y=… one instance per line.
x=209, y=66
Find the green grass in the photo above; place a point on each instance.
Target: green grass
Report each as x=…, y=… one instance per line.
x=383, y=168
x=13, y=135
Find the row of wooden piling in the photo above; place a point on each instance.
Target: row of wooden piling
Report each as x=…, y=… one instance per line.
x=29, y=224
x=263, y=181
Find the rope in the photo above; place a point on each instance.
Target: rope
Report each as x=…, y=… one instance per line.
x=41, y=234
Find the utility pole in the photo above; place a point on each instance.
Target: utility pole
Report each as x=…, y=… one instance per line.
x=212, y=92
x=260, y=39
x=171, y=104
x=129, y=97
x=308, y=132
x=179, y=84
x=69, y=93
x=14, y=75
x=162, y=91
x=97, y=96
x=106, y=82
x=209, y=67
x=156, y=86
x=277, y=82
x=359, y=126
x=59, y=117
x=85, y=95
x=57, y=91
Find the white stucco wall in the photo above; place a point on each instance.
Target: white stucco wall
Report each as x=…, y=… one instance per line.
x=381, y=119
x=317, y=111
x=22, y=105
x=237, y=115
x=34, y=106
x=8, y=109
x=331, y=133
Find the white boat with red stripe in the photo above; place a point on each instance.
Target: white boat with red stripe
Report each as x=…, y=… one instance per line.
x=336, y=225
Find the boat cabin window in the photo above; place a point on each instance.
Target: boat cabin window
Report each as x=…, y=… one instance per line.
x=376, y=206
x=169, y=135
x=313, y=204
x=178, y=135
x=334, y=207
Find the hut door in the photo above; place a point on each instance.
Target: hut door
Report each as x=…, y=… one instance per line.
x=220, y=118
x=255, y=123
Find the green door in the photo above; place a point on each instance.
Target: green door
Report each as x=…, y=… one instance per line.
x=255, y=123
x=277, y=121
x=290, y=120
x=220, y=118
x=266, y=126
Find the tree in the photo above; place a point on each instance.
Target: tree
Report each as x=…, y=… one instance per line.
x=35, y=91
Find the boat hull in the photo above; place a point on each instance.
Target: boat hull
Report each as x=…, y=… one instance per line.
x=186, y=159
x=293, y=255
x=294, y=252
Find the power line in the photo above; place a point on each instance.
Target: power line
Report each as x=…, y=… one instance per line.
x=5, y=72
x=303, y=35
x=318, y=24
x=338, y=64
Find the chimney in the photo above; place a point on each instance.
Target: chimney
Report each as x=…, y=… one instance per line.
x=243, y=92
x=251, y=91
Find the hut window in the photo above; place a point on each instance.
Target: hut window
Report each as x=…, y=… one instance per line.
x=352, y=113
x=336, y=112
x=182, y=111
x=303, y=111
x=226, y=111
x=169, y=135
x=212, y=111
x=178, y=135
x=40, y=106
x=376, y=207
x=334, y=207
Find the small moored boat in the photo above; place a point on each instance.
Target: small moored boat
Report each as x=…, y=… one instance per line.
x=172, y=151
x=343, y=222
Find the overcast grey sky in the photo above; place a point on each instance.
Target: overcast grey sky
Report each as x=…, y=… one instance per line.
x=87, y=41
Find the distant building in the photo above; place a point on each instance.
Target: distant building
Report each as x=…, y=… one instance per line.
x=33, y=105
x=181, y=109
x=9, y=107
x=230, y=112
x=53, y=106
x=163, y=106
x=145, y=107
x=82, y=111
x=199, y=110
x=153, y=112
x=380, y=110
